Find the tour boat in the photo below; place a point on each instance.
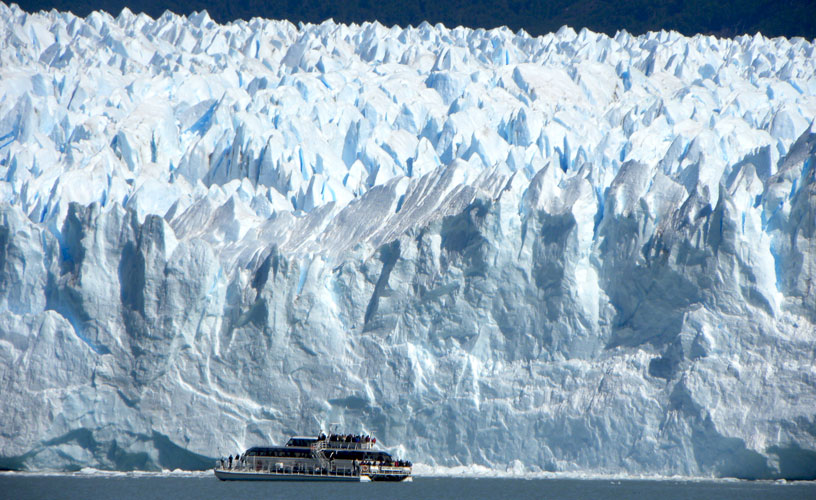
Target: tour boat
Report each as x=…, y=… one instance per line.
x=335, y=457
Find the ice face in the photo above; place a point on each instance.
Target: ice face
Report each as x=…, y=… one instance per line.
x=566, y=253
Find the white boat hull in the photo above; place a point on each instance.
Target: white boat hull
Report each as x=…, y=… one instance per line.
x=245, y=475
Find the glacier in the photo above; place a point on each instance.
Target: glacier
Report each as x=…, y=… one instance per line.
x=571, y=253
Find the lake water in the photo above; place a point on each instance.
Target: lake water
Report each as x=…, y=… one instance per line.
x=142, y=486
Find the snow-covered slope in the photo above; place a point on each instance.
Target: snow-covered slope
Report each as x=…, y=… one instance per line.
x=577, y=252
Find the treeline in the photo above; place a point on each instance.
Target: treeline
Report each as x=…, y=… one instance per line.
x=720, y=17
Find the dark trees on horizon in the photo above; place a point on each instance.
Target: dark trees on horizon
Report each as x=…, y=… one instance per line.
x=719, y=17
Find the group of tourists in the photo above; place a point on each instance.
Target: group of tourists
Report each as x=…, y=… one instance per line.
x=229, y=463
x=347, y=438
x=393, y=463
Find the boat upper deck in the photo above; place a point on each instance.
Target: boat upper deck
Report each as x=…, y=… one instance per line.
x=333, y=441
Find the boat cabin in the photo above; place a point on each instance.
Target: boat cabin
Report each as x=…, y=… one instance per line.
x=301, y=442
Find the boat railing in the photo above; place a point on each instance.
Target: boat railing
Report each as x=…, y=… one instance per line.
x=343, y=445
x=391, y=469
x=339, y=445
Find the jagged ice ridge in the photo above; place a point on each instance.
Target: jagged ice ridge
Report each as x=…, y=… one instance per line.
x=564, y=253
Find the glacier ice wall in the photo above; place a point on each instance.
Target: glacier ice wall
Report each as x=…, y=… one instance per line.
x=580, y=252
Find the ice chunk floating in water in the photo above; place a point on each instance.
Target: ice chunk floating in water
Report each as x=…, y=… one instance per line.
x=568, y=253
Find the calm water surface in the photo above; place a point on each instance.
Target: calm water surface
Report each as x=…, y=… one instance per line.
x=68, y=487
